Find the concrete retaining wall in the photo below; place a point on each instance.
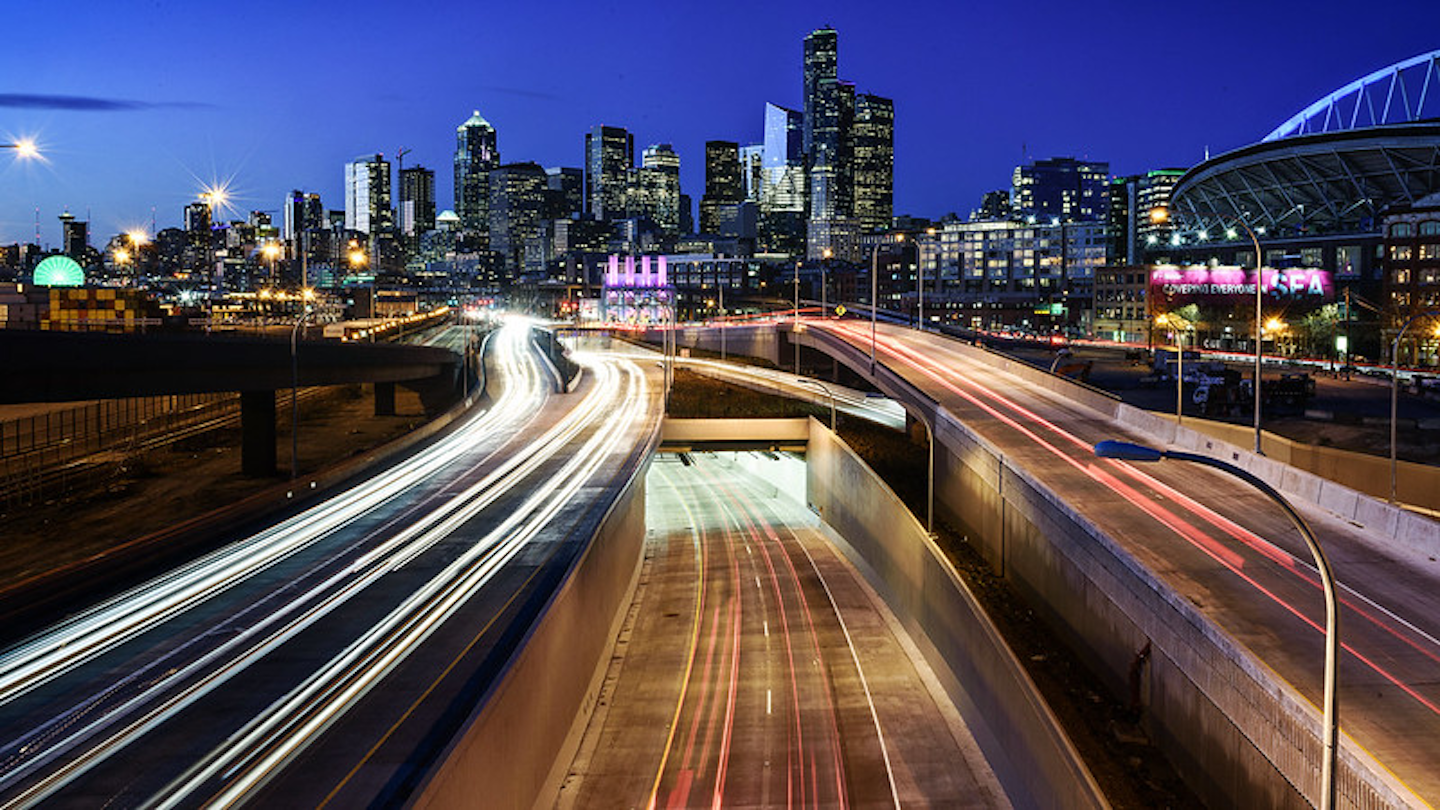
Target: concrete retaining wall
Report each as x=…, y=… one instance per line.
x=1030, y=755
x=516, y=747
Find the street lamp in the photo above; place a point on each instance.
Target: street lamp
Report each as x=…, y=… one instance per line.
x=25, y=148
x=920, y=280
x=1395, y=390
x=272, y=252
x=1178, y=324
x=1161, y=214
x=828, y=392
x=295, y=393
x=1134, y=452
x=875, y=292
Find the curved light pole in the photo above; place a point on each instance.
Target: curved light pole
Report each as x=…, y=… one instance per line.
x=1395, y=391
x=828, y=392
x=1161, y=214
x=1331, y=732
x=875, y=293
x=1174, y=322
x=920, y=279
x=795, y=321
x=295, y=393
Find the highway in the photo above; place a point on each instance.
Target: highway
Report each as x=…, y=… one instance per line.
x=758, y=671
x=328, y=658
x=1221, y=545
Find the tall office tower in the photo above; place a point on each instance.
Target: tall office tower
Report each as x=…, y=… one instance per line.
x=655, y=190
x=417, y=202
x=567, y=192
x=873, y=137
x=821, y=64
x=301, y=212
x=517, y=211
x=752, y=171
x=723, y=184
x=74, y=235
x=476, y=153
x=782, y=195
x=609, y=155
x=1130, y=229
x=831, y=144
x=367, y=195
x=1062, y=189
x=197, y=217
x=687, y=214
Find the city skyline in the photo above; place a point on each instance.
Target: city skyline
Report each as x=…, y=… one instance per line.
x=271, y=110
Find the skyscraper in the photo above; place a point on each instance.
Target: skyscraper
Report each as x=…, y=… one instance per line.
x=609, y=156
x=476, y=153
x=655, y=193
x=873, y=171
x=417, y=202
x=782, y=194
x=821, y=64
x=567, y=192
x=367, y=195
x=1063, y=189
x=517, y=209
x=301, y=212
x=723, y=183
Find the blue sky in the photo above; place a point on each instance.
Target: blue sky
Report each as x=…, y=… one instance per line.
x=278, y=95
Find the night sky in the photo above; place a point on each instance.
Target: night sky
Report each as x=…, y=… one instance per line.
x=137, y=104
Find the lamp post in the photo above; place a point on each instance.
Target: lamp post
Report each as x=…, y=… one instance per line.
x=272, y=252
x=1395, y=391
x=920, y=281
x=24, y=148
x=295, y=393
x=825, y=257
x=1162, y=214
x=1331, y=731
x=828, y=392
x=875, y=293
x=1169, y=319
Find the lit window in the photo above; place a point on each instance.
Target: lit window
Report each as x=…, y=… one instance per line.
x=1402, y=229
x=1400, y=253
x=1430, y=227
x=1430, y=251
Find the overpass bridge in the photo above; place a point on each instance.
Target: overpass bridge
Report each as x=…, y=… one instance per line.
x=72, y=366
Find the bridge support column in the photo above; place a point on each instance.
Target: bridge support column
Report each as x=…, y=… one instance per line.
x=384, y=399
x=257, y=433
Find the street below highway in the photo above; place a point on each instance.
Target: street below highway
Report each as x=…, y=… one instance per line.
x=756, y=669
x=330, y=658
x=1221, y=545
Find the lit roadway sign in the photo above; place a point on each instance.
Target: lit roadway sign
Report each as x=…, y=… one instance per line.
x=1227, y=285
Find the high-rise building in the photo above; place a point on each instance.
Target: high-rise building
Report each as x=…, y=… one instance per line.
x=993, y=205
x=723, y=183
x=567, y=192
x=782, y=197
x=873, y=172
x=367, y=195
x=1132, y=231
x=517, y=209
x=821, y=64
x=417, y=202
x=74, y=235
x=301, y=212
x=752, y=171
x=831, y=147
x=1063, y=189
x=609, y=156
x=476, y=153
x=197, y=217
x=655, y=192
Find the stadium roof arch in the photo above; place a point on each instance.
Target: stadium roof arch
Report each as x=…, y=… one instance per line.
x=1335, y=166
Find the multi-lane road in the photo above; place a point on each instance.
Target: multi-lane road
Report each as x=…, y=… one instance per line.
x=325, y=659
x=1223, y=546
x=757, y=671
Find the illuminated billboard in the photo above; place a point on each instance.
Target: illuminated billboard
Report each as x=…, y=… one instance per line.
x=1221, y=286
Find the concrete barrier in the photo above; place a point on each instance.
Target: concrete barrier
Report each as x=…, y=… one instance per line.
x=516, y=746
x=1021, y=739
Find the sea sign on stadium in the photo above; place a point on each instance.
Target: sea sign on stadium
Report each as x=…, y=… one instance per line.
x=1219, y=286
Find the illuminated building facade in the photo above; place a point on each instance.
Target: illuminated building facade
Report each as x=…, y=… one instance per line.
x=1063, y=189
x=517, y=209
x=609, y=156
x=477, y=153
x=723, y=183
x=873, y=172
x=367, y=195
